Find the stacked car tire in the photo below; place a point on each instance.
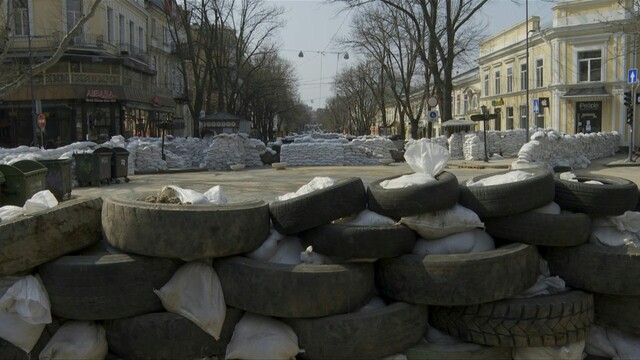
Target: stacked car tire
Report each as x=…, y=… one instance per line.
x=129, y=247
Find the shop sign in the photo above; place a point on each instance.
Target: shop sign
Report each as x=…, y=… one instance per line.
x=155, y=101
x=544, y=102
x=497, y=102
x=100, y=95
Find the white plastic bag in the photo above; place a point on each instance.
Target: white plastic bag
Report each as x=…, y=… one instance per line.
x=316, y=183
x=268, y=247
x=629, y=221
x=216, y=196
x=438, y=224
x=40, y=201
x=424, y=157
x=24, y=311
x=195, y=292
x=288, y=252
x=77, y=340
x=261, y=337
x=186, y=196
x=440, y=341
x=545, y=284
x=551, y=208
x=571, y=351
x=476, y=240
x=10, y=212
x=510, y=177
x=598, y=343
x=308, y=256
x=366, y=218
x=611, y=236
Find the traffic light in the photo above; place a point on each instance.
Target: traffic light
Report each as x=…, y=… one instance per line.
x=629, y=105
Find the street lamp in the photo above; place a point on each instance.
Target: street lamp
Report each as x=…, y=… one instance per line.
x=485, y=114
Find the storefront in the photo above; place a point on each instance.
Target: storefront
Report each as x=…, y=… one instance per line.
x=588, y=116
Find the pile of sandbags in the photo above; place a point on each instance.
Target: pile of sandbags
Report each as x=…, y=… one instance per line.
x=225, y=150
x=148, y=157
x=313, y=154
x=455, y=142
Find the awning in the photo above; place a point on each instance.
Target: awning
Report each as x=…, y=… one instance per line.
x=587, y=93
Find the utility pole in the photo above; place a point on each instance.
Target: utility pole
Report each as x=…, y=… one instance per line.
x=33, y=95
x=633, y=81
x=526, y=11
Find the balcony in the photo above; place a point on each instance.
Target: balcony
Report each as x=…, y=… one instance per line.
x=84, y=40
x=133, y=52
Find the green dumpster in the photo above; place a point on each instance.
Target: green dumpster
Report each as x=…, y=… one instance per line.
x=58, y=178
x=93, y=168
x=120, y=164
x=22, y=179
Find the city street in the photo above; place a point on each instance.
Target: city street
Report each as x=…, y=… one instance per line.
x=266, y=183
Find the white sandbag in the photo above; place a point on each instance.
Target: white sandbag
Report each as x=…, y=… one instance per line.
x=77, y=340
x=261, y=337
x=453, y=244
x=395, y=357
x=24, y=311
x=611, y=236
x=215, y=195
x=627, y=345
x=629, y=221
x=405, y=181
x=571, y=351
x=316, y=183
x=483, y=241
x=186, y=196
x=366, y=218
x=438, y=224
x=308, y=256
x=195, y=292
x=510, y=177
x=439, y=341
x=426, y=159
x=288, y=251
x=598, y=343
x=40, y=201
x=551, y=208
x=375, y=303
x=545, y=283
x=10, y=212
x=268, y=247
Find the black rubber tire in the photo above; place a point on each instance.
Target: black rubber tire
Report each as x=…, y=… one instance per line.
x=353, y=242
x=294, y=291
x=508, y=199
x=553, y=320
x=445, y=352
x=167, y=336
x=616, y=196
x=8, y=351
x=345, y=197
x=620, y=312
x=567, y=229
x=369, y=334
x=597, y=268
x=413, y=200
x=33, y=240
x=459, y=279
x=100, y=285
x=184, y=231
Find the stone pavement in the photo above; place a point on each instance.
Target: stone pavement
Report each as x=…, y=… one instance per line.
x=266, y=183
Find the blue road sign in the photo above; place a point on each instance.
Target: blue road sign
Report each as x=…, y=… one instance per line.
x=536, y=106
x=633, y=76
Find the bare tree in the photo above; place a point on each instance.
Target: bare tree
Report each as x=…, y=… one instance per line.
x=362, y=107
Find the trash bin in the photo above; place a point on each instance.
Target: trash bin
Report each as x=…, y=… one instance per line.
x=58, y=178
x=93, y=168
x=120, y=164
x=22, y=179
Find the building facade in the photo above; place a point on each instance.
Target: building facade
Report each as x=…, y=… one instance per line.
x=116, y=77
x=575, y=70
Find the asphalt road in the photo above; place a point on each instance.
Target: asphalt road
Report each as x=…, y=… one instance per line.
x=265, y=183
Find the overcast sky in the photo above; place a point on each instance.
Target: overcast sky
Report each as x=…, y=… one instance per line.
x=316, y=26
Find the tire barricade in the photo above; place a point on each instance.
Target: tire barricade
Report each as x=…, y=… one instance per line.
x=110, y=277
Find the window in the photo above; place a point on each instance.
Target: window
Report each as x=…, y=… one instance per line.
x=74, y=12
x=154, y=33
x=509, y=80
x=110, y=34
x=167, y=35
x=458, y=104
x=523, y=77
x=539, y=73
x=486, y=84
x=497, y=82
x=497, y=122
x=122, y=29
x=141, y=38
x=466, y=103
x=509, y=118
x=524, y=117
x=132, y=33
x=589, y=65
x=20, y=17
